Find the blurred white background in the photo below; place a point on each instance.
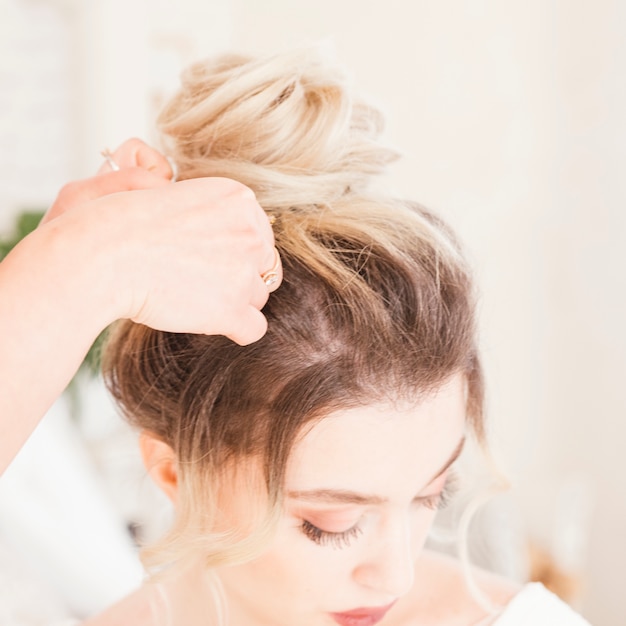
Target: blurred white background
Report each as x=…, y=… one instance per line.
x=511, y=117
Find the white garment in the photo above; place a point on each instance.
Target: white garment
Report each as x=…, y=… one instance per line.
x=534, y=605
x=52, y=505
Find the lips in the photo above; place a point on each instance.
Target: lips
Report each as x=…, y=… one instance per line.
x=361, y=617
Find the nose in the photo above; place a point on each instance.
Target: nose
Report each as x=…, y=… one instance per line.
x=390, y=567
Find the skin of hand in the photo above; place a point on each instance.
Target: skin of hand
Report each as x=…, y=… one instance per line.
x=141, y=167
x=183, y=257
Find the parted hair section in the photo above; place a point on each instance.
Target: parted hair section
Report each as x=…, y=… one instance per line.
x=376, y=304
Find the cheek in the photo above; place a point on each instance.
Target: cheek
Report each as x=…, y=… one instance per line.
x=297, y=574
x=411, y=529
x=313, y=565
x=421, y=527
x=293, y=571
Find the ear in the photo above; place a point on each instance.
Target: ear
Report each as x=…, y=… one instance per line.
x=161, y=462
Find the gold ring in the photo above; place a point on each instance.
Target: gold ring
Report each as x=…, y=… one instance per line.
x=271, y=276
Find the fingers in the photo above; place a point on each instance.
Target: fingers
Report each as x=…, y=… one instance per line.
x=80, y=191
x=259, y=294
x=248, y=328
x=113, y=182
x=136, y=153
x=134, y=165
x=253, y=325
x=239, y=203
x=273, y=276
x=249, y=324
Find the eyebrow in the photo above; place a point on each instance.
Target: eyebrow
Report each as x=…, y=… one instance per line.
x=342, y=496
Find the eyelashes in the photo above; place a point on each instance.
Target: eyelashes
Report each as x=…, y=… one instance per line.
x=441, y=500
x=344, y=539
x=325, y=538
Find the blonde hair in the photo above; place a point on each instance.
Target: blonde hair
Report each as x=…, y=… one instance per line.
x=376, y=303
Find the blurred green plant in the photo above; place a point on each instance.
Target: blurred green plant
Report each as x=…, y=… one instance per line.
x=25, y=223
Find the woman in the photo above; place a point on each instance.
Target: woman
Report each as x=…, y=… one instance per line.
x=306, y=468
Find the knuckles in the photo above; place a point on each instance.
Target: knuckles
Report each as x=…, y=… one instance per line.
x=69, y=191
x=131, y=146
x=234, y=189
x=133, y=142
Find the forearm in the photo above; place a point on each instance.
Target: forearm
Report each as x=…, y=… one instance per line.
x=49, y=317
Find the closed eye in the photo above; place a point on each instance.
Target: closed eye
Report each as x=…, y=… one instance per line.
x=441, y=500
x=326, y=538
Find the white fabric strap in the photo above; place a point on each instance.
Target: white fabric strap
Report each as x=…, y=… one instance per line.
x=534, y=605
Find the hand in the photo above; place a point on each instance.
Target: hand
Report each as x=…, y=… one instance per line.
x=181, y=257
x=192, y=256
x=141, y=167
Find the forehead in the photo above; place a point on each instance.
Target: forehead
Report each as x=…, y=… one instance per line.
x=375, y=447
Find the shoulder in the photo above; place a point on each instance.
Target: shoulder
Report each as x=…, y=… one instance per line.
x=443, y=593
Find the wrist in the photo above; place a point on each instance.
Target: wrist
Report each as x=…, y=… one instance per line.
x=67, y=264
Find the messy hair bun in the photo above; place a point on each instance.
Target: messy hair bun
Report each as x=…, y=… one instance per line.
x=287, y=127
x=376, y=301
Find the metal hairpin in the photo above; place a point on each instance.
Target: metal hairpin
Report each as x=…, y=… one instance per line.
x=108, y=157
